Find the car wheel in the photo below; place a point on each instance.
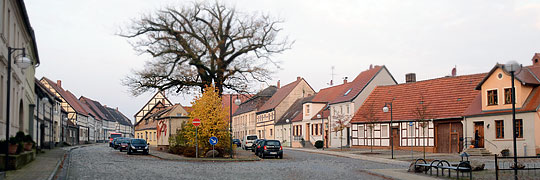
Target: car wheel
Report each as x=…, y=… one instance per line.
x=145, y=152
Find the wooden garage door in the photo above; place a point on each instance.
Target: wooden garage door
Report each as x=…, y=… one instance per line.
x=448, y=135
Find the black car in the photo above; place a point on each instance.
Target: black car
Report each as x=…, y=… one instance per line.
x=270, y=148
x=237, y=142
x=138, y=145
x=124, y=144
x=117, y=141
x=255, y=144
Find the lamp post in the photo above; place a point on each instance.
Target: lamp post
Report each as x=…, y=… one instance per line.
x=23, y=63
x=385, y=109
x=290, y=129
x=237, y=102
x=512, y=67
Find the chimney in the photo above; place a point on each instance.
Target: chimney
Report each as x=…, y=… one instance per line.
x=116, y=108
x=104, y=105
x=278, y=84
x=298, y=78
x=535, y=59
x=454, y=72
x=331, y=82
x=59, y=83
x=345, y=80
x=371, y=66
x=410, y=77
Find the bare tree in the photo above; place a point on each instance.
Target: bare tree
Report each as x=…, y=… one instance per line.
x=202, y=44
x=341, y=121
x=369, y=115
x=423, y=115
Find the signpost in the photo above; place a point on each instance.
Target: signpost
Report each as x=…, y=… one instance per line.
x=412, y=156
x=213, y=141
x=196, y=122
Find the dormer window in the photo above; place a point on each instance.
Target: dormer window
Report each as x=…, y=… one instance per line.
x=492, y=97
x=507, y=95
x=348, y=91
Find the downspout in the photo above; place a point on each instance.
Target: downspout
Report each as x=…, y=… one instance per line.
x=37, y=126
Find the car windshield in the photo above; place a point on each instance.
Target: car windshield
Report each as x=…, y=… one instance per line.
x=138, y=141
x=251, y=137
x=273, y=143
x=125, y=141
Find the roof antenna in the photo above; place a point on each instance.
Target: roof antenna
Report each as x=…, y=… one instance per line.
x=332, y=80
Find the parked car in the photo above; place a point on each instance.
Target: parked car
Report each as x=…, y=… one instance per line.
x=270, y=148
x=117, y=142
x=124, y=144
x=255, y=145
x=138, y=145
x=247, y=142
x=237, y=142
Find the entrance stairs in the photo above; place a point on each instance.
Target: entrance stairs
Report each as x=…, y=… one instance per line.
x=478, y=152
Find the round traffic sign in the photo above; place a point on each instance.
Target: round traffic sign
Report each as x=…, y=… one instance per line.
x=196, y=122
x=213, y=140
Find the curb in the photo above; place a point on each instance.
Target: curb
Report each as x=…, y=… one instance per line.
x=61, y=160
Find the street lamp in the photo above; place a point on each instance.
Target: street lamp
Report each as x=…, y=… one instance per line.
x=513, y=67
x=23, y=63
x=385, y=109
x=290, y=129
x=237, y=101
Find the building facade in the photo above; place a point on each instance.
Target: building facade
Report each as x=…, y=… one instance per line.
x=244, y=122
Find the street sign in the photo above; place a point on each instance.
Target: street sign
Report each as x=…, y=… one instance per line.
x=213, y=140
x=196, y=122
x=410, y=123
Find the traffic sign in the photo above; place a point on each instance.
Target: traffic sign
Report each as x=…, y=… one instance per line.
x=213, y=140
x=196, y=122
x=410, y=123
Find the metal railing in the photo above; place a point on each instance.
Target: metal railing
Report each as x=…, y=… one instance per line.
x=528, y=166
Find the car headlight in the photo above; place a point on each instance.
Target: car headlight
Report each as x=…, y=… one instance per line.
x=133, y=147
x=146, y=147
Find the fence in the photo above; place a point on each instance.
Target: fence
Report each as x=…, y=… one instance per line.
x=528, y=166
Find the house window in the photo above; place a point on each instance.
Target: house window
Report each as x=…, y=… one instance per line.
x=507, y=95
x=519, y=128
x=270, y=132
x=361, y=131
x=307, y=110
x=316, y=129
x=492, y=97
x=384, y=131
x=499, y=129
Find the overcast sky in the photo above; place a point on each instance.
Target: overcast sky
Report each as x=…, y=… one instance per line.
x=77, y=41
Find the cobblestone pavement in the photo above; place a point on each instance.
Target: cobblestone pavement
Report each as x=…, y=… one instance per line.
x=102, y=162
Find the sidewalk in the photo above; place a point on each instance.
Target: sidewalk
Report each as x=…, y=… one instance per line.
x=41, y=168
x=241, y=155
x=353, y=156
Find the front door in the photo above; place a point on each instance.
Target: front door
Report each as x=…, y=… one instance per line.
x=307, y=132
x=395, y=136
x=479, y=134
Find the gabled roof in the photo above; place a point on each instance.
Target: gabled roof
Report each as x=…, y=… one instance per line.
x=294, y=113
x=280, y=94
x=147, y=103
x=119, y=117
x=328, y=94
x=68, y=97
x=529, y=75
x=531, y=104
x=39, y=85
x=255, y=102
x=358, y=84
x=94, y=109
x=446, y=97
x=324, y=112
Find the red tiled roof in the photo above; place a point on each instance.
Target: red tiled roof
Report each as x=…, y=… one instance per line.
x=446, y=97
x=357, y=85
x=86, y=107
x=94, y=107
x=531, y=104
x=324, y=112
x=68, y=97
x=280, y=94
x=330, y=93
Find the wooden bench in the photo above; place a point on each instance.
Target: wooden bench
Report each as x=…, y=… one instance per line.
x=426, y=165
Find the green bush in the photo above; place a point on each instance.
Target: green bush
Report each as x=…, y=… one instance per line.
x=28, y=138
x=319, y=144
x=13, y=140
x=19, y=136
x=176, y=149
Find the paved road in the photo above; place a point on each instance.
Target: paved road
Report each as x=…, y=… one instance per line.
x=102, y=162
